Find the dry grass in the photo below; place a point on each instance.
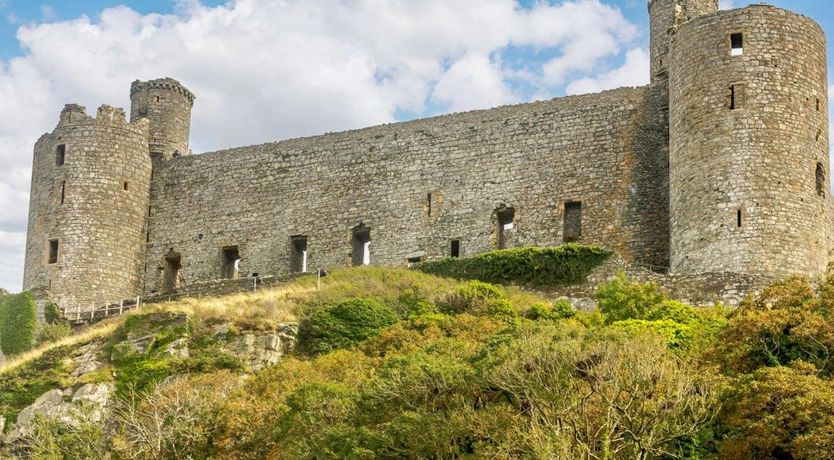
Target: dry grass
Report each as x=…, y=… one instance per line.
x=101, y=329
x=273, y=306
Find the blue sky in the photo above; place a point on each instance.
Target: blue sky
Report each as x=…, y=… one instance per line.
x=265, y=70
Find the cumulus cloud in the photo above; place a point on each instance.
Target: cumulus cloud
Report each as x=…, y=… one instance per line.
x=265, y=70
x=634, y=72
x=726, y=4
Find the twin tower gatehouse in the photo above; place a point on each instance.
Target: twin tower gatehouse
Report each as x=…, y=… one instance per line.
x=719, y=167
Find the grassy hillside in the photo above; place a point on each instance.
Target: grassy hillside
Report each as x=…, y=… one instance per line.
x=401, y=364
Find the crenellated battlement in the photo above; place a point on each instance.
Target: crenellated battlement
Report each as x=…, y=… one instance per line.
x=106, y=115
x=168, y=84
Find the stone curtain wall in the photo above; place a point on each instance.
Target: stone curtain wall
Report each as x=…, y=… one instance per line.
x=101, y=226
x=759, y=158
x=418, y=185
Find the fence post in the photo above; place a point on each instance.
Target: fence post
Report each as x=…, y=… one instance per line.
x=121, y=307
x=137, y=302
x=78, y=315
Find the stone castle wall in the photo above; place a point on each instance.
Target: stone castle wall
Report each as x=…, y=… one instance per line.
x=418, y=185
x=749, y=144
x=718, y=169
x=94, y=205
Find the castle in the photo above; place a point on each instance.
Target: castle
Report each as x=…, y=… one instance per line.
x=717, y=169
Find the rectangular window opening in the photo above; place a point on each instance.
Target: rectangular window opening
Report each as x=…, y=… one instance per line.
x=361, y=246
x=125, y=186
x=63, y=191
x=231, y=262
x=171, y=273
x=60, y=154
x=428, y=199
x=414, y=260
x=738, y=218
x=506, y=224
x=572, y=224
x=298, y=254
x=737, y=44
x=52, y=258
x=454, y=248
x=818, y=104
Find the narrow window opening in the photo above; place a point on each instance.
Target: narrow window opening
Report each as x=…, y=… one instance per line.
x=506, y=224
x=821, y=182
x=738, y=218
x=52, y=257
x=428, y=199
x=171, y=273
x=454, y=248
x=732, y=97
x=148, y=237
x=298, y=254
x=157, y=99
x=63, y=191
x=737, y=44
x=572, y=222
x=737, y=96
x=361, y=246
x=231, y=262
x=60, y=154
x=125, y=186
x=818, y=104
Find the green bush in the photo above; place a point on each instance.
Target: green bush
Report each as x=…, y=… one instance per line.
x=622, y=299
x=474, y=295
x=552, y=266
x=561, y=309
x=48, y=332
x=52, y=315
x=346, y=324
x=17, y=323
x=676, y=335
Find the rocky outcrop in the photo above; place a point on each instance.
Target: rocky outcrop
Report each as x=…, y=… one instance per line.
x=258, y=349
x=88, y=403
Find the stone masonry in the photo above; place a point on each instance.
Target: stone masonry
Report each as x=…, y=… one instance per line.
x=716, y=170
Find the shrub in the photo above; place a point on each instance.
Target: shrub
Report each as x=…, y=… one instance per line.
x=676, y=335
x=473, y=295
x=52, y=332
x=52, y=315
x=785, y=324
x=71, y=437
x=552, y=266
x=561, y=309
x=17, y=323
x=779, y=412
x=621, y=299
x=347, y=324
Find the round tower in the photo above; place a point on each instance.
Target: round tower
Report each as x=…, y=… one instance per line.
x=749, y=158
x=88, y=210
x=166, y=103
x=664, y=17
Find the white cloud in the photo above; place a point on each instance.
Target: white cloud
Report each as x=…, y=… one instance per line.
x=473, y=82
x=265, y=70
x=634, y=72
x=726, y=4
